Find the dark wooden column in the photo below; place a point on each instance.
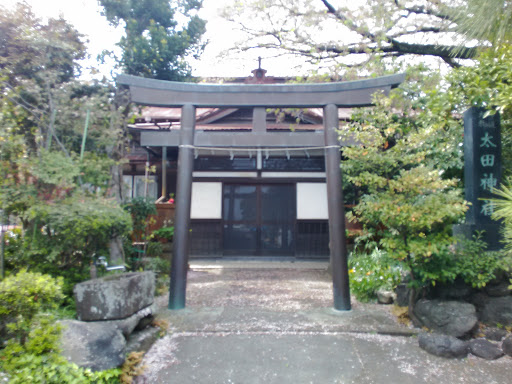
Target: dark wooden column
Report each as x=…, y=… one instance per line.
x=164, y=172
x=179, y=268
x=337, y=243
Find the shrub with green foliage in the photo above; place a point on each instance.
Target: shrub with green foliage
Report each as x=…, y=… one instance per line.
x=164, y=233
x=38, y=360
x=370, y=272
x=404, y=167
x=140, y=208
x=23, y=296
x=30, y=336
x=62, y=238
x=476, y=266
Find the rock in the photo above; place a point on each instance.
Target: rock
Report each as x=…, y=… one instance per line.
x=443, y=345
x=114, y=297
x=142, y=341
x=97, y=346
x=506, y=347
x=496, y=310
x=495, y=334
x=498, y=290
x=138, y=320
x=385, y=296
x=402, y=295
x=449, y=317
x=485, y=349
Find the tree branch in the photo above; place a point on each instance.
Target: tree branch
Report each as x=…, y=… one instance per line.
x=348, y=22
x=423, y=10
x=419, y=30
x=330, y=8
x=442, y=51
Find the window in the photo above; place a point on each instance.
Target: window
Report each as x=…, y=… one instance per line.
x=140, y=186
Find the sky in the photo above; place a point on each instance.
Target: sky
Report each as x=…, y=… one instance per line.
x=86, y=17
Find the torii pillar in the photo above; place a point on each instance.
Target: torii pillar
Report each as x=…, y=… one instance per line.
x=336, y=208
x=179, y=268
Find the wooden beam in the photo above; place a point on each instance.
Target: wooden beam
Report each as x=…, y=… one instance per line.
x=259, y=120
x=238, y=139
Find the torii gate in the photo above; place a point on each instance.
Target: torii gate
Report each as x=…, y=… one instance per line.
x=188, y=96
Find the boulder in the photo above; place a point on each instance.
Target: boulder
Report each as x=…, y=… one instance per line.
x=97, y=346
x=443, y=345
x=385, y=296
x=495, y=310
x=449, y=317
x=485, y=349
x=506, y=347
x=495, y=334
x=114, y=297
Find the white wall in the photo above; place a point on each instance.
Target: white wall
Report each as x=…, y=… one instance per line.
x=206, y=200
x=312, y=201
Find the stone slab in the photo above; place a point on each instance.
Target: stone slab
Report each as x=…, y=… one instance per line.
x=114, y=297
x=97, y=346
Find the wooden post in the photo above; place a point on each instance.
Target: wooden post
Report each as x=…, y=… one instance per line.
x=179, y=268
x=337, y=242
x=164, y=173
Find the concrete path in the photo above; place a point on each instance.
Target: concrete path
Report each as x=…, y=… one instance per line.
x=261, y=324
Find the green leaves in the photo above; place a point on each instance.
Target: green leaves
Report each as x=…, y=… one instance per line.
x=38, y=360
x=407, y=197
x=153, y=45
x=503, y=212
x=369, y=272
x=22, y=297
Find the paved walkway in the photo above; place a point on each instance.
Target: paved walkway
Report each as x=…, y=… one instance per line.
x=263, y=324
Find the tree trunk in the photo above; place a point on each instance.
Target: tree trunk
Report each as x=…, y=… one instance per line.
x=117, y=122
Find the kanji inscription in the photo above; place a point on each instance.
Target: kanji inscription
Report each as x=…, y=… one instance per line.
x=482, y=152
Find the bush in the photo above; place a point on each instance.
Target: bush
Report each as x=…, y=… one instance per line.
x=164, y=233
x=62, y=237
x=140, y=208
x=157, y=265
x=477, y=267
x=39, y=360
x=31, y=338
x=369, y=272
x=154, y=249
x=22, y=297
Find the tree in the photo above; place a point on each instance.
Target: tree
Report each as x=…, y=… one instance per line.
x=341, y=32
x=407, y=169
x=37, y=60
x=43, y=109
x=155, y=44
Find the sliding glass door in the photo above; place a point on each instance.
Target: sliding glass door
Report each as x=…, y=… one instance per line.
x=259, y=219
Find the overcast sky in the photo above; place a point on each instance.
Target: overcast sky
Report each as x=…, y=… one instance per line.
x=85, y=16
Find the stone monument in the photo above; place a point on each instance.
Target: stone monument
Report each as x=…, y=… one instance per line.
x=482, y=173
